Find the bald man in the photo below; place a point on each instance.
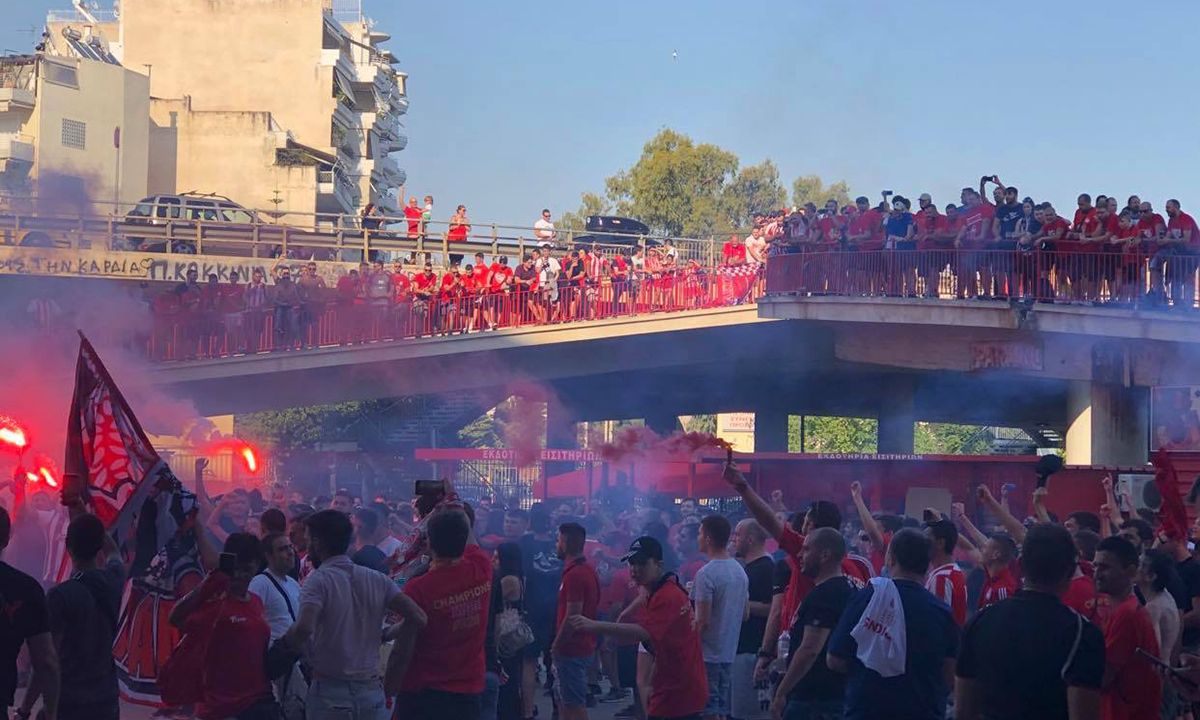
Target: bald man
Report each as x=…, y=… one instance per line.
x=809, y=688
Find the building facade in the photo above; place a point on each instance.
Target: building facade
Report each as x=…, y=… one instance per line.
x=73, y=129
x=286, y=105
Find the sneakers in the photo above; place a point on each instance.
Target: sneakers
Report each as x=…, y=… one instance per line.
x=614, y=695
x=629, y=711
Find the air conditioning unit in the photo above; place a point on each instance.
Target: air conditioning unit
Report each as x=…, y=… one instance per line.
x=1142, y=491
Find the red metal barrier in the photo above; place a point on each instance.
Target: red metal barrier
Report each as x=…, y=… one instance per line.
x=1094, y=278
x=192, y=335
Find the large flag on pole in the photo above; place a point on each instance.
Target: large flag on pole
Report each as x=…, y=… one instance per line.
x=106, y=448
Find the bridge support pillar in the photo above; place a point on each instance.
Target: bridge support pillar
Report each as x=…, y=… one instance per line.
x=1109, y=425
x=561, y=434
x=896, y=416
x=662, y=422
x=770, y=430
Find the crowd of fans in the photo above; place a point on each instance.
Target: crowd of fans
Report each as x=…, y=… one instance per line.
x=1009, y=247
x=373, y=302
x=683, y=610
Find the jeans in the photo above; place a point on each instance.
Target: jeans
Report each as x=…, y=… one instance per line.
x=490, y=696
x=330, y=699
x=814, y=710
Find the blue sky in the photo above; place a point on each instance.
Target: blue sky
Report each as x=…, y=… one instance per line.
x=520, y=105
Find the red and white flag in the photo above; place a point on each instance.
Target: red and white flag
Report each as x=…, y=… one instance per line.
x=106, y=447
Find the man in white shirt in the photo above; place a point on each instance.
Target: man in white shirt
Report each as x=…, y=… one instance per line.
x=281, y=598
x=548, y=270
x=339, y=628
x=720, y=592
x=280, y=595
x=543, y=229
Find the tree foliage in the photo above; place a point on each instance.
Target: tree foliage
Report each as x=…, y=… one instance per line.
x=810, y=189
x=833, y=434
x=304, y=427
x=680, y=187
x=951, y=439
x=589, y=204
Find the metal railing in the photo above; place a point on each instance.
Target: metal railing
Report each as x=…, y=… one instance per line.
x=206, y=330
x=191, y=229
x=1144, y=279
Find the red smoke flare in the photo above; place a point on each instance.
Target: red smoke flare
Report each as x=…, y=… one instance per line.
x=250, y=459
x=640, y=441
x=13, y=436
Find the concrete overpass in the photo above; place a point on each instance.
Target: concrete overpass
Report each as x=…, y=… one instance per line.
x=1080, y=372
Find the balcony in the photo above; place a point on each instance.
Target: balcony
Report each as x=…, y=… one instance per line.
x=16, y=154
x=16, y=99
x=397, y=144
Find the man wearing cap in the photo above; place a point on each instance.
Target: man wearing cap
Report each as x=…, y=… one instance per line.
x=679, y=686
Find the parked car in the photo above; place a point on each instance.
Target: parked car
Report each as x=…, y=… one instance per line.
x=612, y=230
x=181, y=213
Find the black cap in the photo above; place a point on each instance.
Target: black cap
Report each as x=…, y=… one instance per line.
x=643, y=549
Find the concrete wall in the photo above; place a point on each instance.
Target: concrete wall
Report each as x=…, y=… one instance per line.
x=236, y=55
x=228, y=153
x=108, y=97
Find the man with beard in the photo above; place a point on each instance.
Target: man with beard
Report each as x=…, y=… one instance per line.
x=342, y=607
x=809, y=689
x=579, y=593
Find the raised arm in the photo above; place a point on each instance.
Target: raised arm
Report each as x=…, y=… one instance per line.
x=864, y=515
x=758, y=507
x=1039, y=507
x=1113, y=514
x=1010, y=523
x=973, y=533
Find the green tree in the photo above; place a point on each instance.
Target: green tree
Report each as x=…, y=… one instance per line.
x=303, y=427
x=676, y=187
x=833, y=434
x=589, y=204
x=755, y=191
x=701, y=424
x=810, y=189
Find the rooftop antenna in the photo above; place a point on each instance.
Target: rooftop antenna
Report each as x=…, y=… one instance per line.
x=83, y=11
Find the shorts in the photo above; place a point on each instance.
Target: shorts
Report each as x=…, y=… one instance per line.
x=744, y=701
x=543, y=634
x=571, y=679
x=627, y=665
x=719, y=690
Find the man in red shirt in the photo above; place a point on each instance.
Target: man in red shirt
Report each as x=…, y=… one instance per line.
x=999, y=583
x=230, y=617
x=667, y=629
x=734, y=252
x=976, y=225
x=1083, y=212
x=450, y=293
x=946, y=579
x=1131, y=688
x=412, y=214
x=499, y=288
x=446, y=674
x=481, y=277
x=821, y=513
x=579, y=594
x=1181, y=243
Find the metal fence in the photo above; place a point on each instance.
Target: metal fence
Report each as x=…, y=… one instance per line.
x=1159, y=279
x=179, y=334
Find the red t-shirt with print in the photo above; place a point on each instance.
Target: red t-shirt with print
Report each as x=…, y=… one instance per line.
x=1000, y=586
x=449, y=652
x=234, y=675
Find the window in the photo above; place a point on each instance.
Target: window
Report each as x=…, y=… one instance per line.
x=162, y=210
x=61, y=74
x=237, y=215
x=74, y=134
